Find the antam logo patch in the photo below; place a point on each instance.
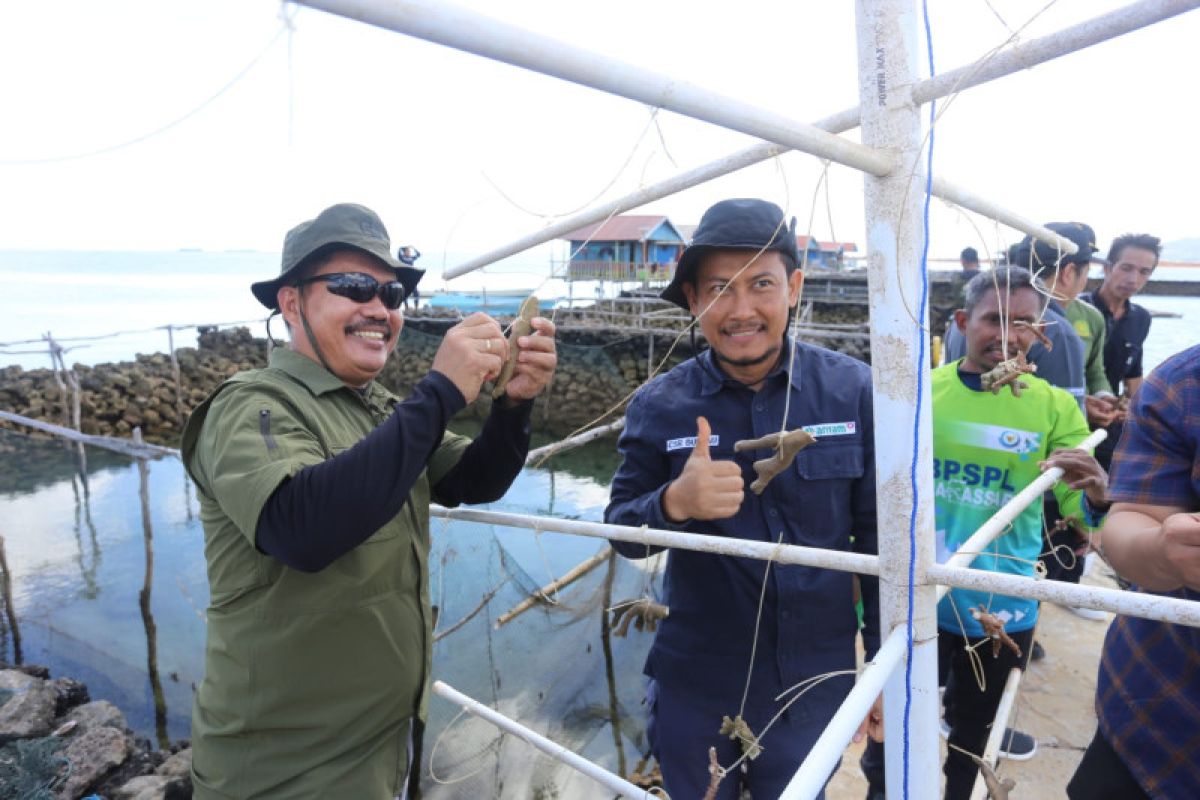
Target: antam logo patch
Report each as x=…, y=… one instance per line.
x=833, y=429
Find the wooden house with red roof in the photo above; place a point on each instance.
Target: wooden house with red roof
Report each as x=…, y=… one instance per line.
x=825, y=255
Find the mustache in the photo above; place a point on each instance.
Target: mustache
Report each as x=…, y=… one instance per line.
x=381, y=327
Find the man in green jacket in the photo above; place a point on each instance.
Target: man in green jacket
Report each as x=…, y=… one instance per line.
x=1065, y=276
x=315, y=484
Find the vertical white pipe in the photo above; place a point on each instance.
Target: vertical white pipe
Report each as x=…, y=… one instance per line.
x=891, y=122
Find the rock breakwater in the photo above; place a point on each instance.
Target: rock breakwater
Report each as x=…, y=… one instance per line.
x=599, y=367
x=55, y=742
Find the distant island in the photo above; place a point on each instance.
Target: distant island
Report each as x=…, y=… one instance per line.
x=1182, y=250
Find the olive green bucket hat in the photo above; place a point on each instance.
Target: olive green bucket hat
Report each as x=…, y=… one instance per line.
x=343, y=225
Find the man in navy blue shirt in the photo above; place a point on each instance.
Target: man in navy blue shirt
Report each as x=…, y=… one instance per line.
x=1131, y=262
x=740, y=631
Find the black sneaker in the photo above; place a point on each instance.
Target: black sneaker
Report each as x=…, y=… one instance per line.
x=1036, y=653
x=1017, y=746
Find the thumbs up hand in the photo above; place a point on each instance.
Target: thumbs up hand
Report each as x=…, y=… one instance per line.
x=706, y=489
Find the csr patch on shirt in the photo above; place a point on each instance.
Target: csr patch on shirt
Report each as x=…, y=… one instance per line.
x=832, y=429
x=689, y=442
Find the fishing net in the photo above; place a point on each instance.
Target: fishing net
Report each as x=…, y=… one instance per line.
x=551, y=668
x=31, y=769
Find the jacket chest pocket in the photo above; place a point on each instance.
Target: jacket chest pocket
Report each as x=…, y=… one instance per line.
x=822, y=462
x=824, y=498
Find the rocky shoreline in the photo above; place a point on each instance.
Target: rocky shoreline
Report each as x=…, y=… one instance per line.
x=599, y=368
x=55, y=742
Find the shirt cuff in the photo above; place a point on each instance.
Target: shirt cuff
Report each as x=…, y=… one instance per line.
x=1091, y=516
x=656, y=517
x=448, y=395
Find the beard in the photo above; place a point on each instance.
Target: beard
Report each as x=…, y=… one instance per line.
x=750, y=361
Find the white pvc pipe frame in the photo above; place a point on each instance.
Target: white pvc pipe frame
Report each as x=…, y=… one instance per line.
x=617, y=784
x=992, y=749
x=475, y=33
x=464, y=30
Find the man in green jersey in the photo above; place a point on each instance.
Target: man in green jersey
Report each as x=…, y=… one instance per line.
x=315, y=484
x=987, y=447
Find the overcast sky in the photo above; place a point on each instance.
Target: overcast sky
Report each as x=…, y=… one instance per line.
x=434, y=139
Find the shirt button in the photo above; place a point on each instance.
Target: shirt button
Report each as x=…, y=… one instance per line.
x=773, y=512
x=760, y=407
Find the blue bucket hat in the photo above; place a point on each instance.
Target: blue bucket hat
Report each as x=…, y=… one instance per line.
x=738, y=224
x=343, y=225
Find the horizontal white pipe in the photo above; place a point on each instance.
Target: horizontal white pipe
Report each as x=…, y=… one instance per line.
x=969, y=200
x=823, y=758
x=1132, y=604
x=780, y=553
x=973, y=547
x=656, y=191
x=615, y=783
x=125, y=447
x=1022, y=56
x=572, y=442
x=1136, y=604
x=992, y=749
x=462, y=29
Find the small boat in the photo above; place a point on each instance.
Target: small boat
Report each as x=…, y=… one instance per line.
x=502, y=301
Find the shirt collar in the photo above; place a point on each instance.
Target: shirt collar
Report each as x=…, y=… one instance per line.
x=315, y=378
x=713, y=378
x=1099, y=303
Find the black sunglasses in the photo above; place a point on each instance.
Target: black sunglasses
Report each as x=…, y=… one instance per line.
x=361, y=288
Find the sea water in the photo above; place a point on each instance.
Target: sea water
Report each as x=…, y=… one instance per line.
x=104, y=596
x=114, y=593
x=109, y=306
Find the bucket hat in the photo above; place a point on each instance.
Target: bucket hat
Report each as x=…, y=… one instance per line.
x=737, y=224
x=342, y=225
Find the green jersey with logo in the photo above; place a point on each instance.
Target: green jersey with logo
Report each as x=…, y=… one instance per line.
x=986, y=448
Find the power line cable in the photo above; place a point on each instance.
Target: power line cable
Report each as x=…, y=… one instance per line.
x=23, y=162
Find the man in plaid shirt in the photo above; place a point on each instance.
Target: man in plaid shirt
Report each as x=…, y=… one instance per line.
x=1148, y=690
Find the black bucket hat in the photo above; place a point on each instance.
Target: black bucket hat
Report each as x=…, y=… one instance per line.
x=738, y=224
x=343, y=225
x=1034, y=254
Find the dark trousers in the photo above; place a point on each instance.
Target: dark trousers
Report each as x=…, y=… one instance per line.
x=1104, y=450
x=683, y=726
x=969, y=711
x=1102, y=775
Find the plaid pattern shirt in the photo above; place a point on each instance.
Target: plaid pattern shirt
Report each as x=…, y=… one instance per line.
x=1148, y=691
